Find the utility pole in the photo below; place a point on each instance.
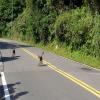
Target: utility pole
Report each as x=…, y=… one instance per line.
x=12, y=16
x=2, y=62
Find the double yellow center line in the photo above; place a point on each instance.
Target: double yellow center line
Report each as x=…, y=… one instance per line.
x=67, y=75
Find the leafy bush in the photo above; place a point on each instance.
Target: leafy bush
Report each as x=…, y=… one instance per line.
x=95, y=37
x=49, y=21
x=79, y=29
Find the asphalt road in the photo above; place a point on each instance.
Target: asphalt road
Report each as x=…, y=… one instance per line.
x=58, y=79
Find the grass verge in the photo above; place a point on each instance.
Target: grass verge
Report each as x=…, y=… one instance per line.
x=75, y=55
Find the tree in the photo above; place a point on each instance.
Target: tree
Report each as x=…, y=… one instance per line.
x=6, y=11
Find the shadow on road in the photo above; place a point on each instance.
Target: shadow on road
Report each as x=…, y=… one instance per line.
x=42, y=65
x=91, y=70
x=1, y=93
x=5, y=59
x=12, y=93
x=87, y=69
x=8, y=45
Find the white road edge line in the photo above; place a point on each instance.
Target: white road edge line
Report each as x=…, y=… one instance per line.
x=4, y=83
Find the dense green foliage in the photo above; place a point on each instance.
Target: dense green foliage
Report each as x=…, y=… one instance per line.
x=6, y=12
x=72, y=23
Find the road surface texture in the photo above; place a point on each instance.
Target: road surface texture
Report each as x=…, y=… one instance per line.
x=58, y=79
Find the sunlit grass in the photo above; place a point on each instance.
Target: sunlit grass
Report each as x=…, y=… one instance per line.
x=66, y=52
x=76, y=55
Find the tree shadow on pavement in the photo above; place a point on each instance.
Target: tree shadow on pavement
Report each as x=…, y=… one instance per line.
x=13, y=95
x=5, y=59
x=1, y=93
x=89, y=69
x=9, y=45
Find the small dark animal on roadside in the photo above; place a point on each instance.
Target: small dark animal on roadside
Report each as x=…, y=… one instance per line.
x=41, y=58
x=13, y=53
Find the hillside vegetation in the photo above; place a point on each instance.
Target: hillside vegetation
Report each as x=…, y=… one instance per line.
x=68, y=25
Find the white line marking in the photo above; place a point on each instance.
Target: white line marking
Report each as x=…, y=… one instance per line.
x=79, y=63
x=0, y=63
x=7, y=96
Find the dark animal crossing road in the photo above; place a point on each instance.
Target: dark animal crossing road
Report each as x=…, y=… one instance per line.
x=57, y=79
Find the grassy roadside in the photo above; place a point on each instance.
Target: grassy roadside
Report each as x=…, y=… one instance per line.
x=65, y=52
x=76, y=55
